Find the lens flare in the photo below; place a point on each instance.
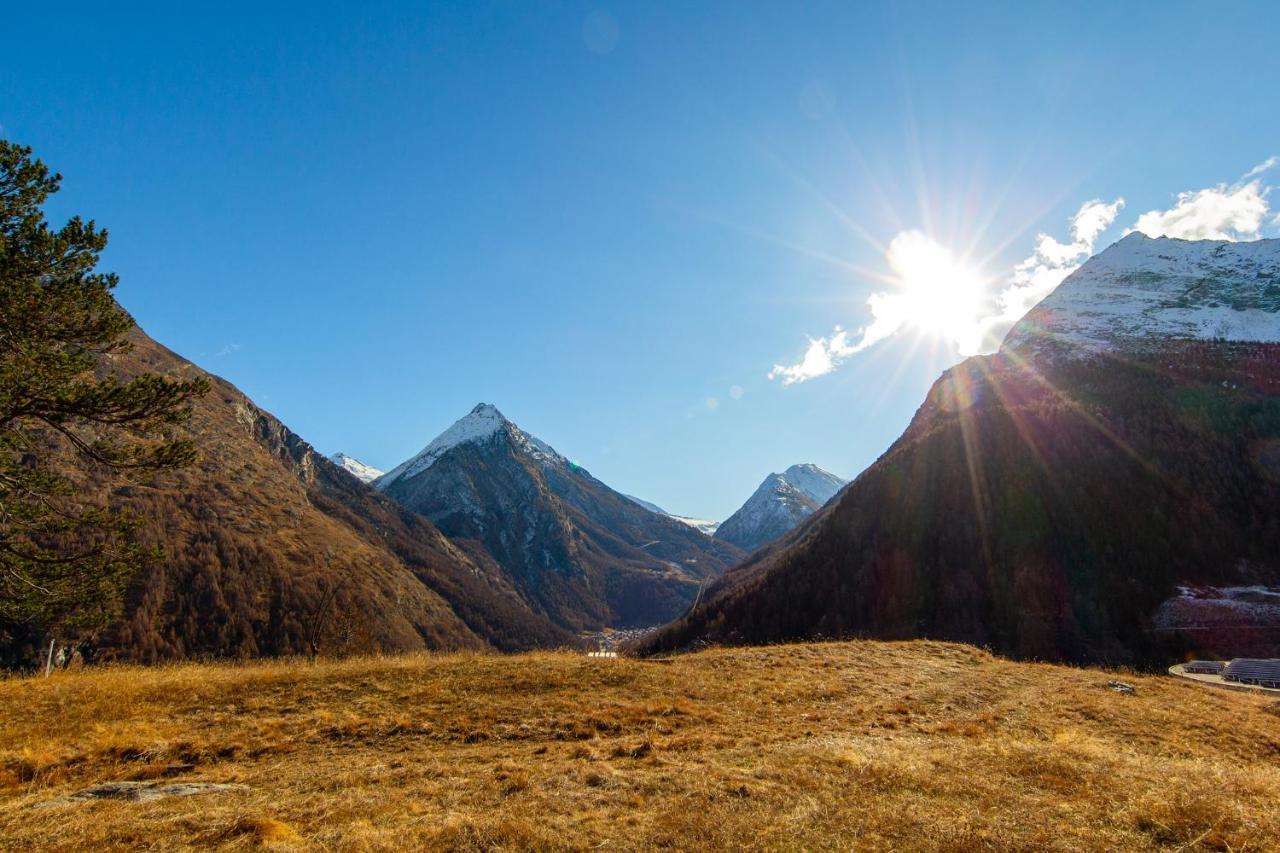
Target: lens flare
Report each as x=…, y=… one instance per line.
x=936, y=292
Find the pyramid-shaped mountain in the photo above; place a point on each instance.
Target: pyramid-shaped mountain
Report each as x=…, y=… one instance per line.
x=581, y=553
x=780, y=503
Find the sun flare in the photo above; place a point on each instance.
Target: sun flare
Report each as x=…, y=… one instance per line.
x=936, y=292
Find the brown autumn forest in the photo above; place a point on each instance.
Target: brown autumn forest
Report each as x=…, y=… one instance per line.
x=269, y=549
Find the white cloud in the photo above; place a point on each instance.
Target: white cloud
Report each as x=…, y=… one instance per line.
x=932, y=287
x=823, y=356
x=1046, y=267
x=736, y=391
x=1264, y=166
x=941, y=292
x=1217, y=213
x=1223, y=212
x=229, y=349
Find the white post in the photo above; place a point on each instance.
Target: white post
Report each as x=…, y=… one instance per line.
x=48, y=664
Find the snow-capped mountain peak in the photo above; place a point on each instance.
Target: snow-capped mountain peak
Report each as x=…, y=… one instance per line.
x=362, y=472
x=480, y=424
x=1141, y=290
x=584, y=553
x=779, y=504
x=817, y=484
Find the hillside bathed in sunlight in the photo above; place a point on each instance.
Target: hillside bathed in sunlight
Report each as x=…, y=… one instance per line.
x=869, y=745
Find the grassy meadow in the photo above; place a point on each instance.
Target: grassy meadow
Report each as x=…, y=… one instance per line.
x=852, y=745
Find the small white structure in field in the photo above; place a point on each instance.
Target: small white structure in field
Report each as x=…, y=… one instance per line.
x=602, y=654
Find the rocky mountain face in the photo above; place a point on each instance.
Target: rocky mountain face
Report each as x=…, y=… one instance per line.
x=262, y=533
x=780, y=503
x=362, y=472
x=582, y=554
x=1106, y=488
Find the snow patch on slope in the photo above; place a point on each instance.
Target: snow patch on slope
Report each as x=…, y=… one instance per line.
x=1143, y=289
x=536, y=447
x=704, y=525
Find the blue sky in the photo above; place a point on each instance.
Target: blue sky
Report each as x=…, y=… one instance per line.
x=603, y=218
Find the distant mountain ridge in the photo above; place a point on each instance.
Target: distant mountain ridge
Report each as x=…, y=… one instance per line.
x=1105, y=488
x=705, y=525
x=649, y=505
x=779, y=503
x=582, y=554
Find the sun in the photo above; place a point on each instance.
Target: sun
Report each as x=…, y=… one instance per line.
x=936, y=292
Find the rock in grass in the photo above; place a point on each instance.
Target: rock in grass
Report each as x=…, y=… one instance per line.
x=143, y=792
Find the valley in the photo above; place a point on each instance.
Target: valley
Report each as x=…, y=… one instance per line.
x=990, y=520
x=639, y=427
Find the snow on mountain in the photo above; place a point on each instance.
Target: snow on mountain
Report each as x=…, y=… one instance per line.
x=705, y=525
x=817, y=484
x=362, y=472
x=579, y=552
x=780, y=503
x=480, y=424
x=1143, y=289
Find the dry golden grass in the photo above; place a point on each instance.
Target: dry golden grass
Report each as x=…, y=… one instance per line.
x=843, y=745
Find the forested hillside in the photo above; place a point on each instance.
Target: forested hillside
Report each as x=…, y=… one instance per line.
x=1043, y=509
x=271, y=549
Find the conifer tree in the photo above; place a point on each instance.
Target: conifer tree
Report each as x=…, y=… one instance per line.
x=64, y=556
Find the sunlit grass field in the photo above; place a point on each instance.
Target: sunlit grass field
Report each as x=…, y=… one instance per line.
x=862, y=745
